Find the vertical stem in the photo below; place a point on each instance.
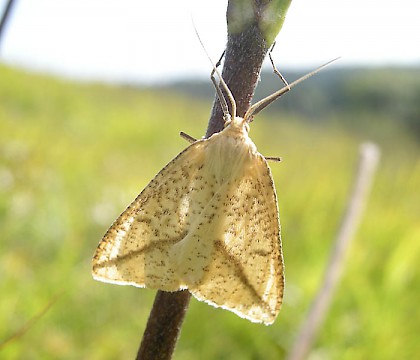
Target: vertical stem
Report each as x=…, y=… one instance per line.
x=5, y=17
x=164, y=325
x=244, y=55
x=245, y=52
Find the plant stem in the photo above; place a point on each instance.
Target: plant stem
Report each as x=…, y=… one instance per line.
x=245, y=52
x=244, y=55
x=164, y=325
x=5, y=17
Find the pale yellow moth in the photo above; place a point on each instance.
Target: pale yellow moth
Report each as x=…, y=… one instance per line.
x=208, y=222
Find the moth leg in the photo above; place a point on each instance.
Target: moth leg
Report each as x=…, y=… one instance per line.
x=187, y=137
x=213, y=79
x=273, y=158
x=219, y=92
x=275, y=69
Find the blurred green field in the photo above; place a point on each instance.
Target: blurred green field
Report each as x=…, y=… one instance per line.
x=72, y=157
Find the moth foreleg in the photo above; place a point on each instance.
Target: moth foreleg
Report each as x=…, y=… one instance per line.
x=187, y=137
x=278, y=73
x=273, y=158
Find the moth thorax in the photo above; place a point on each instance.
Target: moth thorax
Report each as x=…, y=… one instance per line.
x=238, y=123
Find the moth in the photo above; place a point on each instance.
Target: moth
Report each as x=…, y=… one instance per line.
x=208, y=222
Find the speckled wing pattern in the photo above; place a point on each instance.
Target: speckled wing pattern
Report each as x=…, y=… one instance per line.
x=208, y=222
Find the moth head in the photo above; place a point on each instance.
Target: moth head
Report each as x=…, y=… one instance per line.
x=237, y=123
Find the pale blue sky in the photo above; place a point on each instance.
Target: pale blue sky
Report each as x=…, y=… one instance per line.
x=137, y=40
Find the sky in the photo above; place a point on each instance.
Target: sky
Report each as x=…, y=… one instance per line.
x=154, y=41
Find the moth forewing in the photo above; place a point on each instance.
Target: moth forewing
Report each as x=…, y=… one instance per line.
x=247, y=270
x=134, y=250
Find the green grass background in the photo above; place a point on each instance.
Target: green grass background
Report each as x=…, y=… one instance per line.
x=73, y=156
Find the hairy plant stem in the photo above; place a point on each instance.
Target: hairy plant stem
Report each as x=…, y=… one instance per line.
x=245, y=52
x=164, y=325
x=244, y=56
x=5, y=17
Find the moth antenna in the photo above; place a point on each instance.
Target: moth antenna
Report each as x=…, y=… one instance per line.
x=226, y=115
x=262, y=104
